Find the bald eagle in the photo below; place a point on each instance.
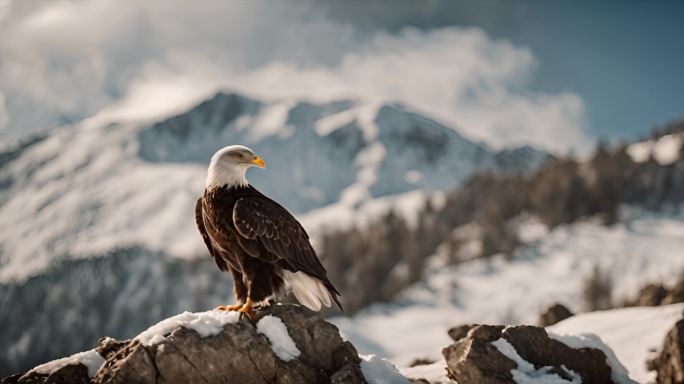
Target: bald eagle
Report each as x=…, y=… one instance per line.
x=262, y=245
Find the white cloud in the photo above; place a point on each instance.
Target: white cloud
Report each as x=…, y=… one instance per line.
x=4, y=9
x=75, y=58
x=459, y=76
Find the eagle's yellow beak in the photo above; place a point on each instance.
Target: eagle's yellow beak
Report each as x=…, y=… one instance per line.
x=259, y=162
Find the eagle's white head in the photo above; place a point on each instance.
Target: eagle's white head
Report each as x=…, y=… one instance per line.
x=229, y=165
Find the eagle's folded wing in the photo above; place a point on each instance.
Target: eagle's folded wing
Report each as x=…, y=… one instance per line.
x=199, y=220
x=280, y=233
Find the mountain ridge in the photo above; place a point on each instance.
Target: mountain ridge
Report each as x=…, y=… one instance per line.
x=119, y=185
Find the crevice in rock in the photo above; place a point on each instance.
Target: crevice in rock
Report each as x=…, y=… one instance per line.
x=153, y=363
x=256, y=368
x=185, y=357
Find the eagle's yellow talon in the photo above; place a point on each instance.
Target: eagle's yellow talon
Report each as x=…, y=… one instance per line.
x=247, y=309
x=233, y=307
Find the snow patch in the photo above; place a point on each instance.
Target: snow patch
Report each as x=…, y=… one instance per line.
x=271, y=120
x=209, y=323
x=366, y=118
x=531, y=229
x=640, y=152
x=91, y=359
x=434, y=373
x=525, y=373
x=665, y=150
x=589, y=340
x=380, y=371
x=337, y=217
x=369, y=160
x=281, y=342
x=328, y=124
x=633, y=333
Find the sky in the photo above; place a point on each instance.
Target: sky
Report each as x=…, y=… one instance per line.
x=558, y=75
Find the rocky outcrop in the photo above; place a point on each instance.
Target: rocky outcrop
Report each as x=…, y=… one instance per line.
x=653, y=295
x=669, y=363
x=473, y=359
x=554, y=314
x=238, y=353
x=675, y=294
x=461, y=331
x=491, y=354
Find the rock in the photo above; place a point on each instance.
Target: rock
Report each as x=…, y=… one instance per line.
x=461, y=331
x=237, y=354
x=108, y=347
x=651, y=295
x=669, y=363
x=420, y=361
x=474, y=359
x=346, y=361
x=554, y=314
x=535, y=346
x=675, y=295
x=69, y=374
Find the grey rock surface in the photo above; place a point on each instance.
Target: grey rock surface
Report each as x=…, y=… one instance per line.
x=474, y=359
x=554, y=314
x=238, y=354
x=669, y=362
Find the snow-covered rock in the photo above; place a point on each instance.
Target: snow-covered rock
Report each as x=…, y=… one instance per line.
x=298, y=347
x=206, y=324
x=281, y=342
x=632, y=333
x=668, y=364
x=68, y=307
x=91, y=359
x=528, y=355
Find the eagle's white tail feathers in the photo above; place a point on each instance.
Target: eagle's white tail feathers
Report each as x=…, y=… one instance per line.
x=308, y=290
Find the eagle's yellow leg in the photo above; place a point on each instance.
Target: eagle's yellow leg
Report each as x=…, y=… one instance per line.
x=247, y=309
x=233, y=307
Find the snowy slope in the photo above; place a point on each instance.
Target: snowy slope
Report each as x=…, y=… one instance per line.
x=641, y=248
x=627, y=336
x=90, y=188
x=633, y=333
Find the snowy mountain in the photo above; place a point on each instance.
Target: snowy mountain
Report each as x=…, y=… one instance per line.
x=73, y=200
x=86, y=190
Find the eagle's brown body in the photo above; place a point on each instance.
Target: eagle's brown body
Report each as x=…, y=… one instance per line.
x=258, y=241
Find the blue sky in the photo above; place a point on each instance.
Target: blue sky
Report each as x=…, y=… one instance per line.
x=554, y=74
x=624, y=58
